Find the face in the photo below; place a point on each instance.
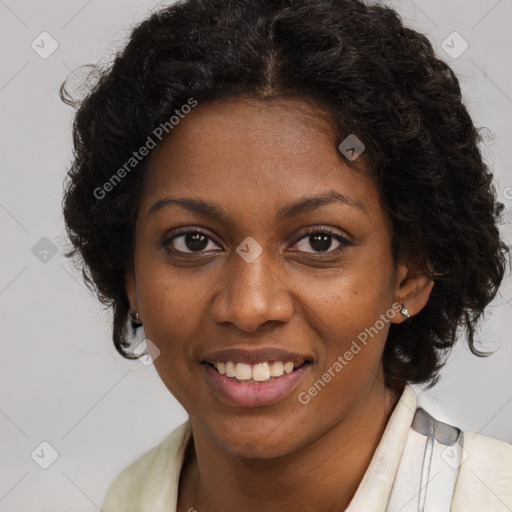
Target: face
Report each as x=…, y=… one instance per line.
x=236, y=261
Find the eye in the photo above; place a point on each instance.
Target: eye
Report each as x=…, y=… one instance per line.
x=189, y=241
x=321, y=241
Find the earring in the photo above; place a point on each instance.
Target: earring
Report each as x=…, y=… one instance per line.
x=137, y=336
x=135, y=319
x=405, y=311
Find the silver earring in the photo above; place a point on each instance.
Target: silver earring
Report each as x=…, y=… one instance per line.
x=136, y=336
x=135, y=319
x=405, y=311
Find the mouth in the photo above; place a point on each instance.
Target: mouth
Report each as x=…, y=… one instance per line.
x=241, y=384
x=265, y=371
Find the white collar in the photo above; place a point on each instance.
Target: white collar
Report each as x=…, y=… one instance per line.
x=372, y=494
x=374, y=491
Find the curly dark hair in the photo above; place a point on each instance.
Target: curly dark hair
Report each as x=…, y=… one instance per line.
x=378, y=80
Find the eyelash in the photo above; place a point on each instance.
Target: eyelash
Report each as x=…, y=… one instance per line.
x=344, y=242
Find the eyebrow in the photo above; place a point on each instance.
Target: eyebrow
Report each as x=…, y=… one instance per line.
x=303, y=205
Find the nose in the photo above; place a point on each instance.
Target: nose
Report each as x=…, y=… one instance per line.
x=252, y=294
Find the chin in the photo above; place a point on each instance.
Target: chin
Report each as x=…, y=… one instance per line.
x=259, y=450
x=257, y=443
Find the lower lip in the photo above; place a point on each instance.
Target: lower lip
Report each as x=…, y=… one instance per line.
x=244, y=394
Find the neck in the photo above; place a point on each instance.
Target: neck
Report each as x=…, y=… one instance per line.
x=316, y=476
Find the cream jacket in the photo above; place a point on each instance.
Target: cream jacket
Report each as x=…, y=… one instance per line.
x=410, y=470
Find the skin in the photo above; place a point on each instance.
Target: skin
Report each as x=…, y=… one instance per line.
x=252, y=158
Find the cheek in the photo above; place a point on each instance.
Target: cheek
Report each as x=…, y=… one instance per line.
x=348, y=308
x=170, y=307
x=172, y=295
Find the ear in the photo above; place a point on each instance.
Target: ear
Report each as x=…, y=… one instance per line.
x=412, y=290
x=131, y=291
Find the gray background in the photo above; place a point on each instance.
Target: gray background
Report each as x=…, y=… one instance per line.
x=62, y=381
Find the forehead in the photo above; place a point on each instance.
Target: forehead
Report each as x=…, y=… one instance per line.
x=253, y=153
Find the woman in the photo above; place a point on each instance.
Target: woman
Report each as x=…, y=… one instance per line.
x=286, y=204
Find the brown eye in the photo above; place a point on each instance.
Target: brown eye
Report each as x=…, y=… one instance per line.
x=322, y=241
x=190, y=241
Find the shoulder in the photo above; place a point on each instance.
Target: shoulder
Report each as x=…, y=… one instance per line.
x=144, y=484
x=485, y=475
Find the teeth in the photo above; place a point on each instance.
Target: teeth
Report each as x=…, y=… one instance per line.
x=288, y=367
x=276, y=369
x=260, y=372
x=230, y=369
x=243, y=371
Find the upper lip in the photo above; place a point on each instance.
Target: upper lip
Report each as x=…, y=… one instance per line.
x=253, y=356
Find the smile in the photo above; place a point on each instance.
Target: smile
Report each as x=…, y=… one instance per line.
x=252, y=385
x=252, y=373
